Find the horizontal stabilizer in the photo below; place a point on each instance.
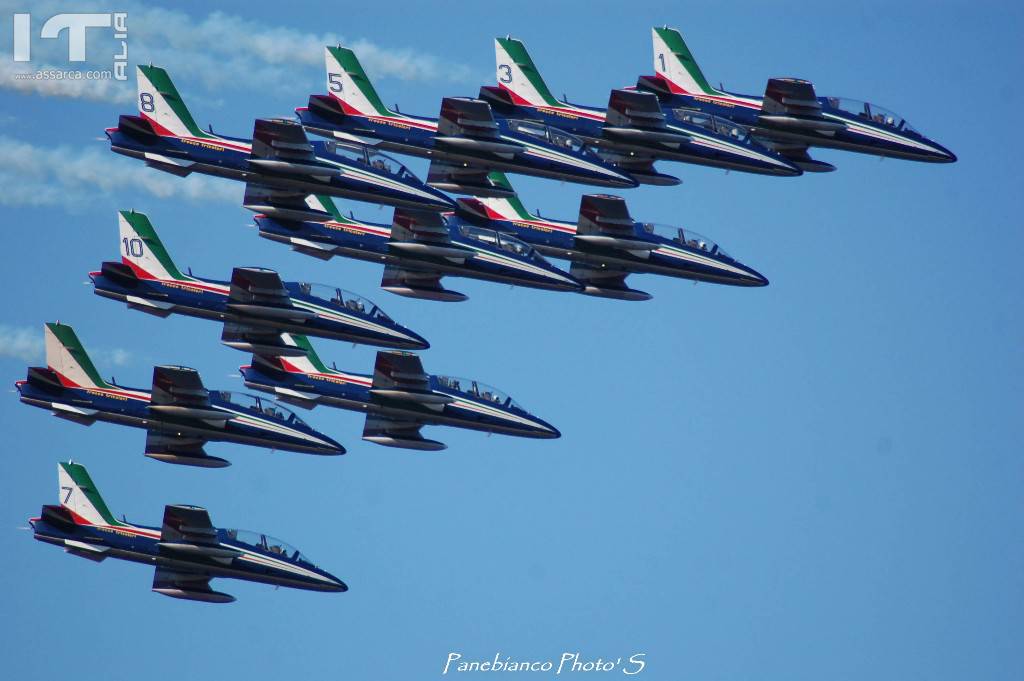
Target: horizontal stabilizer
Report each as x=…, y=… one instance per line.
x=157, y=308
x=82, y=415
x=85, y=550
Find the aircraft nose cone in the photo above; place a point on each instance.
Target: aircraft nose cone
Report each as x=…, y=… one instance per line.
x=547, y=431
x=338, y=585
x=788, y=171
x=416, y=342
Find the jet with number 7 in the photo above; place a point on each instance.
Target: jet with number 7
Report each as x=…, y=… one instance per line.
x=187, y=551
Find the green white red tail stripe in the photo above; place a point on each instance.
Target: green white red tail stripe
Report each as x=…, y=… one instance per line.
x=142, y=249
x=66, y=355
x=520, y=78
x=79, y=495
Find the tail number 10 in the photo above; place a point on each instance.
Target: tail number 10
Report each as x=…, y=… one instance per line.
x=132, y=247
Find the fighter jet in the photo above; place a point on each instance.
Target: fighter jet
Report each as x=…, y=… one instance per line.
x=606, y=244
x=633, y=130
x=463, y=145
x=417, y=249
x=253, y=305
x=279, y=156
x=178, y=413
x=187, y=551
x=399, y=398
x=790, y=116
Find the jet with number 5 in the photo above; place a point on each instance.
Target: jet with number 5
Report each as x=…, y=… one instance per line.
x=633, y=130
x=178, y=413
x=279, y=156
x=187, y=550
x=254, y=305
x=464, y=144
x=606, y=244
x=417, y=249
x=790, y=116
x=398, y=399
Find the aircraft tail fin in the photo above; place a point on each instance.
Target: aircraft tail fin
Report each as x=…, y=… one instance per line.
x=79, y=495
x=498, y=207
x=347, y=82
x=66, y=355
x=324, y=203
x=674, y=63
x=518, y=75
x=294, y=354
x=142, y=250
x=160, y=104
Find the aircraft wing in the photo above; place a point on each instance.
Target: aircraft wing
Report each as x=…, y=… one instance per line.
x=179, y=396
x=792, y=103
x=188, y=524
x=170, y=447
x=280, y=146
x=606, y=282
x=398, y=433
x=399, y=371
x=464, y=179
x=260, y=294
x=281, y=204
x=189, y=585
x=605, y=222
x=636, y=116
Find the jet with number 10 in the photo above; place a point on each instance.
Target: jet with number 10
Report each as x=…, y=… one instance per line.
x=790, y=116
x=187, y=551
x=254, y=305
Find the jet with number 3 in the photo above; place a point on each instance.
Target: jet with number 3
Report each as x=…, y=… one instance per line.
x=633, y=130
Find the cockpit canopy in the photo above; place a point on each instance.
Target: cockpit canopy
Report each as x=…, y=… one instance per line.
x=686, y=237
x=261, y=404
x=342, y=298
x=716, y=124
x=496, y=239
x=371, y=159
x=478, y=390
x=268, y=543
x=559, y=138
x=871, y=112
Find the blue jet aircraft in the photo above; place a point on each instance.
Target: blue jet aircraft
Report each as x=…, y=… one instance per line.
x=398, y=399
x=187, y=551
x=255, y=304
x=463, y=144
x=633, y=130
x=790, y=117
x=178, y=413
x=417, y=249
x=279, y=156
x=606, y=244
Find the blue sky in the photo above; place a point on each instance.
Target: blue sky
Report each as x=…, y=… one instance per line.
x=815, y=480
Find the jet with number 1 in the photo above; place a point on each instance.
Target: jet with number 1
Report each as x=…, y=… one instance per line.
x=279, y=156
x=790, y=116
x=187, y=550
x=464, y=144
x=178, y=413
